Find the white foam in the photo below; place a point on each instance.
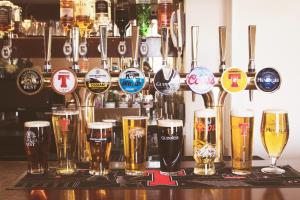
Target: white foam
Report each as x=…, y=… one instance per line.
x=205, y=113
x=110, y=120
x=65, y=112
x=170, y=123
x=135, y=117
x=99, y=125
x=38, y=124
x=242, y=113
x=275, y=111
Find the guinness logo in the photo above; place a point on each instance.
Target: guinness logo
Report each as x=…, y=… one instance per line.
x=64, y=81
x=97, y=81
x=167, y=81
x=30, y=81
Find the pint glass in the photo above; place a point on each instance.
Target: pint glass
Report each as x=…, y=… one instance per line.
x=100, y=138
x=242, y=123
x=65, y=124
x=135, y=144
x=204, y=144
x=37, y=142
x=170, y=144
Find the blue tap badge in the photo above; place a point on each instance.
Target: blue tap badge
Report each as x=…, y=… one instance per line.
x=132, y=80
x=268, y=80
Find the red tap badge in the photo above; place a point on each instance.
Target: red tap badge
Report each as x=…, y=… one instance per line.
x=234, y=80
x=64, y=81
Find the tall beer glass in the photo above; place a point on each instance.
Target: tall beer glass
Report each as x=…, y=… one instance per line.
x=65, y=127
x=242, y=122
x=135, y=144
x=37, y=143
x=170, y=144
x=204, y=144
x=275, y=134
x=100, y=138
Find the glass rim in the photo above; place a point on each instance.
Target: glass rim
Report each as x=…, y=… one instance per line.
x=100, y=125
x=135, y=117
x=206, y=112
x=275, y=111
x=36, y=124
x=242, y=113
x=65, y=111
x=169, y=123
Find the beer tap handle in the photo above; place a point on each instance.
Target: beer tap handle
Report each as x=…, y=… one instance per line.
x=165, y=44
x=135, y=45
x=6, y=51
x=222, y=38
x=103, y=46
x=75, y=48
x=195, y=44
x=181, y=25
x=48, y=48
x=252, y=42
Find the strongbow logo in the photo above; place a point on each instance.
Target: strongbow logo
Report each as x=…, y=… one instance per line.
x=136, y=133
x=64, y=81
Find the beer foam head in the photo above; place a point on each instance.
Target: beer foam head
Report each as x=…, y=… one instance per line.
x=242, y=113
x=65, y=112
x=109, y=120
x=204, y=113
x=38, y=124
x=170, y=123
x=275, y=111
x=99, y=125
x=135, y=117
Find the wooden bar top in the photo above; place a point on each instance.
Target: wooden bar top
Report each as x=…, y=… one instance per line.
x=11, y=170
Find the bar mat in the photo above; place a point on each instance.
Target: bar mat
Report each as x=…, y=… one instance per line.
x=153, y=179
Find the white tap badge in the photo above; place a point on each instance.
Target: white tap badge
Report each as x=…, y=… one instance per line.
x=97, y=81
x=201, y=80
x=64, y=81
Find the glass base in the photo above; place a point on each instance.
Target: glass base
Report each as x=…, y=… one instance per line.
x=204, y=170
x=240, y=172
x=169, y=173
x=102, y=172
x=272, y=170
x=65, y=171
x=36, y=171
x=134, y=172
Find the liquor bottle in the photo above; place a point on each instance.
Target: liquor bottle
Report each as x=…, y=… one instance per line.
x=122, y=17
x=67, y=13
x=143, y=9
x=6, y=22
x=83, y=12
x=103, y=12
x=164, y=12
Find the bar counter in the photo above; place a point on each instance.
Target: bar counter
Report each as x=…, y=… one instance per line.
x=11, y=170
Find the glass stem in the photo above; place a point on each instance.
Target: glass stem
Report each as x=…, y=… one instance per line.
x=273, y=162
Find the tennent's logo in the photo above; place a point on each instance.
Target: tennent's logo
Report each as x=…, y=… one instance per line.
x=64, y=81
x=234, y=80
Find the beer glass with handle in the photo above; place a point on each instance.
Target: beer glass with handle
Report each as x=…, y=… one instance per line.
x=65, y=127
x=37, y=142
x=135, y=144
x=100, y=138
x=275, y=134
x=242, y=123
x=204, y=144
x=170, y=143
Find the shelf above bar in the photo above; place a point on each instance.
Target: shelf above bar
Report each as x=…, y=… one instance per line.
x=32, y=47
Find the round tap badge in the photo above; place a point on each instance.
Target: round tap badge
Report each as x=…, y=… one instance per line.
x=201, y=80
x=132, y=80
x=30, y=81
x=167, y=81
x=234, y=80
x=97, y=81
x=268, y=80
x=64, y=81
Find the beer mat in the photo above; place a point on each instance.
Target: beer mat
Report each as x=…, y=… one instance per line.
x=153, y=179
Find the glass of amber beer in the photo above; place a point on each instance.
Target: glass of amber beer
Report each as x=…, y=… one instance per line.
x=170, y=144
x=37, y=142
x=135, y=144
x=65, y=127
x=275, y=134
x=204, y=144
x=100, y=138
x=242, y=123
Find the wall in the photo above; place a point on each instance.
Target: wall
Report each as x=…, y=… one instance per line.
x=278, y=45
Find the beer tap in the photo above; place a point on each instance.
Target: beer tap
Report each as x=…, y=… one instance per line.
x=75, y=49
x=83, y=48
x=67, y=48
x=48, y=48
x=103, y=47
x=222, y=42
x=252, y=42
x=195, y=44
x=6, y=51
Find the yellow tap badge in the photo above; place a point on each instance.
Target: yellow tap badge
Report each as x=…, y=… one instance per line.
x=234, y=80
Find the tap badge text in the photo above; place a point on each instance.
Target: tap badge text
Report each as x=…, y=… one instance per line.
x=268, y=80
x=234, y=80
x=201, y=80
x=167, y=81
x=64, y=81
x=30, y=81
x=132, y=80
x=97, y=81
